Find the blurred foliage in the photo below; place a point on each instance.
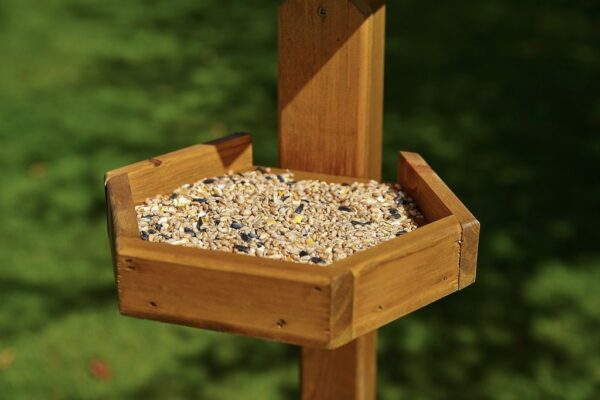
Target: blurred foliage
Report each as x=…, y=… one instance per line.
x=502, y=97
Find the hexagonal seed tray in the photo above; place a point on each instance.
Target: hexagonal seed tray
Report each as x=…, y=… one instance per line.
x=296, y=303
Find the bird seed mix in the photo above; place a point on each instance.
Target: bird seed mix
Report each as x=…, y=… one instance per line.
x=270, y=215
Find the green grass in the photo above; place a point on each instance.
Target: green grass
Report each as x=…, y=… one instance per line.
x=500, y=96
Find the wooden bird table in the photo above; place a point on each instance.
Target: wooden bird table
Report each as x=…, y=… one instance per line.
x=331, y=55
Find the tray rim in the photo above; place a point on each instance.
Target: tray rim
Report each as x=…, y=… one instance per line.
x=346, y=281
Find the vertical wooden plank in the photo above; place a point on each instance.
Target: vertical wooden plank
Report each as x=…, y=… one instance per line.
x=348, y=372
x=331, y=86
x=330, y=121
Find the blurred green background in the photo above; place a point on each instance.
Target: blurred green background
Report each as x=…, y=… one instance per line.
x=500, y=96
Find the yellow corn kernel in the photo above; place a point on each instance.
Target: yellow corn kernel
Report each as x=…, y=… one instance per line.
x=297, y=219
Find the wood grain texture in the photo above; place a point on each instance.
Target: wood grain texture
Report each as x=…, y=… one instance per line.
x=405, y=274
x=346, y=373
x=121, y=218
x=228, y=292
x=122, y=221
x=164, y=173
x=331, y=86
x=436, y=200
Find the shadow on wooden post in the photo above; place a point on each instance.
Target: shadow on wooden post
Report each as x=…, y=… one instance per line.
x=331, y=86
x=331, y=57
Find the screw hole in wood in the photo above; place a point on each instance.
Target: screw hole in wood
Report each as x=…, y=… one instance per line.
x=153, y=304
x=281, y=323
x=155, y=161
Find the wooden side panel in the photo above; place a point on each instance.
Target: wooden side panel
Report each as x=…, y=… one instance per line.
x=405, y=274
x=225, y=292
x=412, y=178
x=437, y=201
x=349, y=372
x=164, y=173
x=122, y=221
x=331, y=86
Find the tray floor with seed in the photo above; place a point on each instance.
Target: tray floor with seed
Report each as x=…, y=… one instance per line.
x=271, y=215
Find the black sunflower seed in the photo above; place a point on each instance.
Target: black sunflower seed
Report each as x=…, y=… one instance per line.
x=144, y=235
x=303, y=253
x=290, y=183
x=245, y=237
x=151, y=231
x=400, y=233
x=173, y=196
x=280, y=178
x=208, y=181
x=268, y=177
x=158, y=227
x=199, y=223
x=260, y=244
x=317, y=260
x=148, y=216
x=200, y=200
x=243, y=249
x=401, y=200
x=189, y=231
x=166, y=237
x=236, y=225
x=299, y=209
x=394, y=213
x=344, y=208
x=284, y=198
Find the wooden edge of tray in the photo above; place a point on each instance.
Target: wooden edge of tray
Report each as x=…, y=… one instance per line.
x=436, y=200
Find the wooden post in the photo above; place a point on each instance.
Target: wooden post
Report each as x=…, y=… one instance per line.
x=331, y=56
x=348, y=372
